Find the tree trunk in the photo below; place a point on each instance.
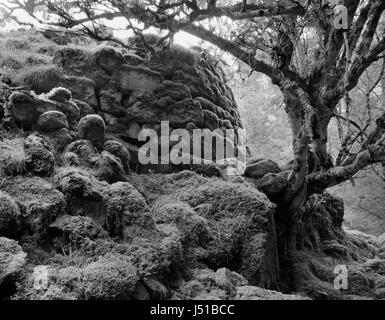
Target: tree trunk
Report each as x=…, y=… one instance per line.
x=383, y=108
x=296, y=193
x=321, y=159
x=309, y=126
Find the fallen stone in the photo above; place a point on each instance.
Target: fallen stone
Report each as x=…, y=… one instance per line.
x=59, y=94
x=92, y=128
x=52, y=121
x=259, y=168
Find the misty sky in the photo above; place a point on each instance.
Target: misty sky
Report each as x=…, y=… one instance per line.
x=181, y=38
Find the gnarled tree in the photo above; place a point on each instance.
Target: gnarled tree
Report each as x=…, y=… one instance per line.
x=295, y=43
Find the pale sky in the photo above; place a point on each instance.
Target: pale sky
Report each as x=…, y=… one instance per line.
x=181, y=38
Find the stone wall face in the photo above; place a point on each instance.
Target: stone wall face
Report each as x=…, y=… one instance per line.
x=177, y=85
x=131, y=91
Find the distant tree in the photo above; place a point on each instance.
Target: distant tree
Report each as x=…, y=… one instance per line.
x=294, y=42
x=260, y=105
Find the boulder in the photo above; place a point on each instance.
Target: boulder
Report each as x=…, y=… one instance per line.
x=199, y=86
x=241, y=220
x=84, y=108
x=59, y=94
x=272, y=184
x=156, y=289
x=25, y=108
x=211, y=120
x=39, y=156
x=108, y=59
x=118, y=150
x=140, y=292
x=225, y=124
x=108, y=168
x=110, y=102
x=85, y=194
x=71, y=159
x=69, y=108
x=207, y=168
x=81, y=88
x=138, y=95
x=12, y=261
x=111, y=277
x=259, y=168
x=194, y=229
x=231, y=167
x=39, y=202
x=60, y=139
x=21, y=107
x=127, y=211
x=207, y=105
x=84, y=150
x=92, y=128
x=184, y=112
x=175, y=90
x=143, y=113
x=81, y=63
x=129, y=78
x=9, y=217
x=207, y=284
x=52, y=121
x=228, y=280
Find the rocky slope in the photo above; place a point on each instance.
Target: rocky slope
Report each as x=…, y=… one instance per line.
x=79, y=218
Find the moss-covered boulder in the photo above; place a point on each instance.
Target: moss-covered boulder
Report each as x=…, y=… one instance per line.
x=258, y=168
x=108, y=168
x=9, y=216
x=194, y=229
x=92, y=128
x=39, y=202
x=111, y=277
x=84, y=150
x=119, y=151
x=39, y=156
x=83, y=192
x=127, y=213
x=12, y=261
x=242, y=224
x=52, y=121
